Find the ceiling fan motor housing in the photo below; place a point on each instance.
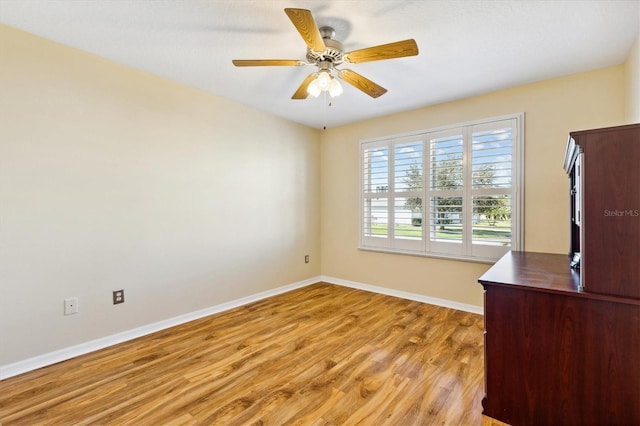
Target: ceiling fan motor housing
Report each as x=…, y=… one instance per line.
x=333, y=51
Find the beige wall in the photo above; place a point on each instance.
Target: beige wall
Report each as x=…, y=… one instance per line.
x=632, y=67
x=552, y=109
x=112, y=178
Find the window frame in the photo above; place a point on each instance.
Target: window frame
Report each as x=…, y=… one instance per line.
x=426, y=246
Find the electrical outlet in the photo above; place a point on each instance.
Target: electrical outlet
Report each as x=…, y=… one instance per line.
x=118, y=296
x=306, y=258
x=71, y=306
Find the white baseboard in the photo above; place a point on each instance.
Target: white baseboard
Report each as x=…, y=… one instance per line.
x=30, y=364
x=406, y=295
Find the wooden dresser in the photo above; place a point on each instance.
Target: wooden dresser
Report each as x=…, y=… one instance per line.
x=562, y=345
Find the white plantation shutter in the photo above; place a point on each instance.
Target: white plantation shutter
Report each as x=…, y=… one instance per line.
x=408, y=190
x=446, y=191
x=492, y=188
x=375, y=195
x=449, y=192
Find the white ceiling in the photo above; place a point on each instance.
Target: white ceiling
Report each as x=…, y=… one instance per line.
x=466, y=47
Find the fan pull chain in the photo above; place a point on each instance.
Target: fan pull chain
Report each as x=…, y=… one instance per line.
x=324, y=107
x=325, y=111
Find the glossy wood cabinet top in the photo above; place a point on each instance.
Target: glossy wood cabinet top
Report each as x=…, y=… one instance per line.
x=546, y=272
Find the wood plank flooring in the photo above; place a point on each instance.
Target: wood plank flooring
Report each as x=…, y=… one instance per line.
x=320, y=355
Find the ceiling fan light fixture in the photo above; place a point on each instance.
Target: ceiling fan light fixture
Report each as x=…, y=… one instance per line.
x=324, y=80
x=314, y=88
x=335, y=88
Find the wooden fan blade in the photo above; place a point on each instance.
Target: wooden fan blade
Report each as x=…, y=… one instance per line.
x=306, y=26
x=398, y=49
x=302, y=93
x=267, y=63
x=362, y=83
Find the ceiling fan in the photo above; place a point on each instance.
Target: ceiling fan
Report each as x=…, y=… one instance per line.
x=328, y=54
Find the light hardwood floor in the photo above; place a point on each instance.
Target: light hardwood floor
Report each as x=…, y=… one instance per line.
x=320, y=355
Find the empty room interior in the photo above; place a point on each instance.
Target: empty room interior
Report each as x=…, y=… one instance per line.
x=319, y=212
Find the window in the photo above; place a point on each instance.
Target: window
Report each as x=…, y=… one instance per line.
x=451, y=192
